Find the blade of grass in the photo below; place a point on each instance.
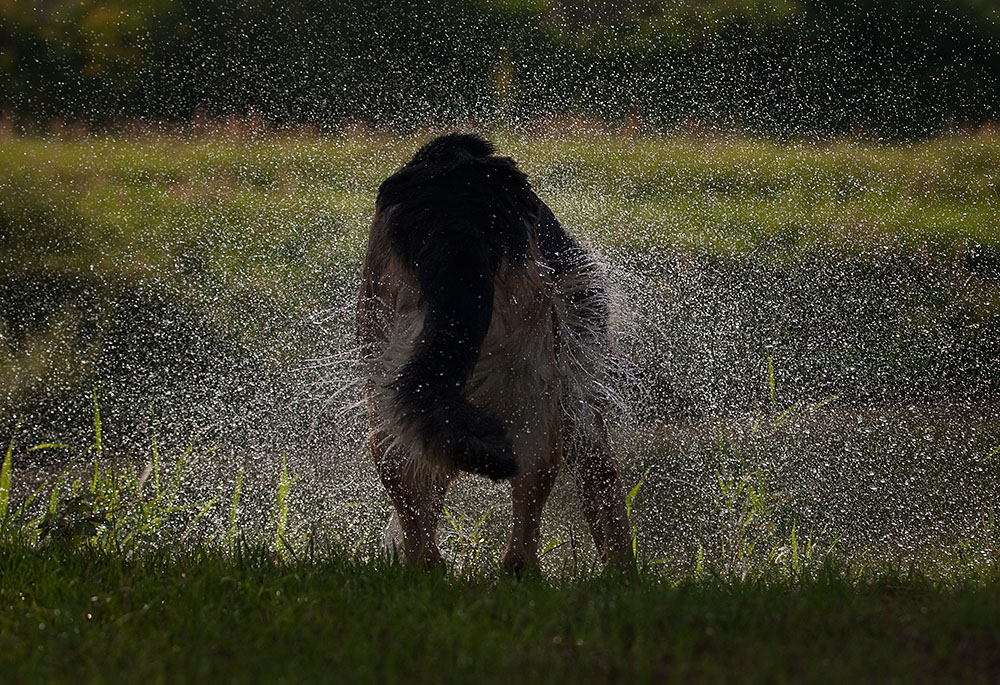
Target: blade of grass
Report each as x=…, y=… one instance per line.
x=5, y=471
x=201, y=514
x=771, y=384
x=785, y=414
x=993, y=453
x=629, y=500
x=49, y=445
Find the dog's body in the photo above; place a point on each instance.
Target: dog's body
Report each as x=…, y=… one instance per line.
x=485, y=329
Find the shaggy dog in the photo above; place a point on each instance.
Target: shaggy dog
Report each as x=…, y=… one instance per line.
x=484, y=329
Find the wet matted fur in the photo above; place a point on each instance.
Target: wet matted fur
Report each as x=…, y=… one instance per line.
x=485, y=332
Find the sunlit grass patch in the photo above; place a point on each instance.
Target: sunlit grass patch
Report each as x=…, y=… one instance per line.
x=935, y=190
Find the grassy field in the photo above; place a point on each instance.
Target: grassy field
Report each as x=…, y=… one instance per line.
x=196, y=614
x=138, y=198
x=884, y=260
x=811, y=443
x=110, y=573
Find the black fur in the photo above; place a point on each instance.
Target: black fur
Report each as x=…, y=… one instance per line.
x=456, y=212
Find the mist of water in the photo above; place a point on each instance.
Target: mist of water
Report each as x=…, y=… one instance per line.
x=779, y=398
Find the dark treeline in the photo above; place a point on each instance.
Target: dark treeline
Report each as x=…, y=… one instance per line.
x=784, y=67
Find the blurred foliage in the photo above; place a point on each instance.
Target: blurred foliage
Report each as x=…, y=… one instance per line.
x=777, y=66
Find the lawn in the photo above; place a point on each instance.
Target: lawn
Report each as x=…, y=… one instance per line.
x=138, y=198
x=810, y=437
x=198, y=614
x=882, y=259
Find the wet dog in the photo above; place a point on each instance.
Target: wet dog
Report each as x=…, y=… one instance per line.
x=485, y=332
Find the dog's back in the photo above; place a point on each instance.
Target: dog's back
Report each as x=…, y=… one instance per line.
x=456, y=309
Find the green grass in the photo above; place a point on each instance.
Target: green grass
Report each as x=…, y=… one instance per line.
x=107, y=574
x=767, y=552
x=252, y=236
x=198, y=614
x=725, y=195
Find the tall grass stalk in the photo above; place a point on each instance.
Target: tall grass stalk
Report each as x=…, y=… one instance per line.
x=98, y=445
x=5, y=476
x=629, y=502
x=995, y=451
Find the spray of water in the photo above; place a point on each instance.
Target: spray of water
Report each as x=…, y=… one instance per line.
x=820, y=383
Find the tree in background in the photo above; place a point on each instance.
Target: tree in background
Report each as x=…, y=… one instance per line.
x=774, y=66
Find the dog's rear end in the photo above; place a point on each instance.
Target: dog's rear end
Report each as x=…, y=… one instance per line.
x=474, y=306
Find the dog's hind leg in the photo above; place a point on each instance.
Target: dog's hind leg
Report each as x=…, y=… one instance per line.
x=530, y=489
x=417, y=493
x=601, y=492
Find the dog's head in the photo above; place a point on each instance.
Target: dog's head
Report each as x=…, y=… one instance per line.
x=453, y=147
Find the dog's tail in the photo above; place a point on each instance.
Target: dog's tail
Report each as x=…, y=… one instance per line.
x=457, y=213
x=450, y=429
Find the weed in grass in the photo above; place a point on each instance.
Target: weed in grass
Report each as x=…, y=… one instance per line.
x=979, y=548
x=285, y=482
x=629, y=503
x=757, y=527
x=5, y=472
x=113, y=507
x=463, y=540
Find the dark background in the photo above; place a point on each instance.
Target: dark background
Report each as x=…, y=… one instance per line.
x=777, y=67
